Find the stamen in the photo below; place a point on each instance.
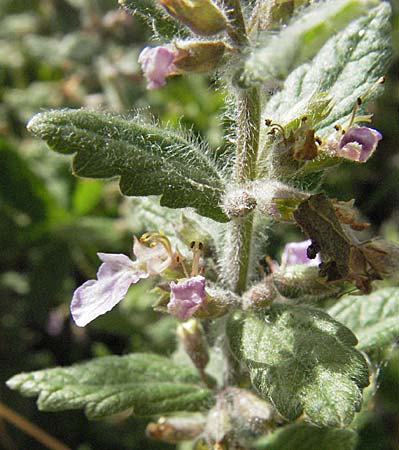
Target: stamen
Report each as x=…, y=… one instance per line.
x=197, y=250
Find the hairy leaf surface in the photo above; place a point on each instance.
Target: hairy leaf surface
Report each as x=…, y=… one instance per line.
x=302, y=361
x=306, y=436
x=344, y=69
x=302, y=38
x=156, y=18
x=150, y=160
x=149, y=384
x=373, y=318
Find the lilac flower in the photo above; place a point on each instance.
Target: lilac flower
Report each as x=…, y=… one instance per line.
x=186, y=297
x=114, y=277
x=295, y=253
x=358, y=143
x=158, y=63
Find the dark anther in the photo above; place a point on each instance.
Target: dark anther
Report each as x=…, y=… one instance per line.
x=200, y=245
x=192, y=244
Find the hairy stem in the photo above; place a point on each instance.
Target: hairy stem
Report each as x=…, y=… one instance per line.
x=240, y=233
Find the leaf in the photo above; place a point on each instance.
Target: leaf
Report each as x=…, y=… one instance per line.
x=302, y=361
x=346, y=67
x=161, y=23
x=149, y=384
x=149, y=160
x=373, y=318
x=305, y=436
x=302, y=38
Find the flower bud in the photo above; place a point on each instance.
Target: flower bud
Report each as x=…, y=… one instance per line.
x=203, y=17
x=199, y=56
x=259, y=296
x=383, y=256
x=238, y=417
x=158, y=63
x=175, y=429
x=191, y=335
x=239, y=203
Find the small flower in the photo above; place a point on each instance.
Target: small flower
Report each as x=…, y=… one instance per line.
x=186, y=297
x=359, y=143
x=295, y=253
x=158, y=63
x=114, y=277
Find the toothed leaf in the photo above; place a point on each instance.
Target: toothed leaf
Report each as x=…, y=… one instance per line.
x=149, y=160
x=344, y=69
x=149, y=384
x=302, y=361
x=373, y=318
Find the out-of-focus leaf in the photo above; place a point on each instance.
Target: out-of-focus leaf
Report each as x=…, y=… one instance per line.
x=302, y=38
x=301, y=436
x=86, y=195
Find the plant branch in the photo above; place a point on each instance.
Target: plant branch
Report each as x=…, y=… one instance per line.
x=31, y=429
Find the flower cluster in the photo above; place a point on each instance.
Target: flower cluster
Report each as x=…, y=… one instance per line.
x=118, y=272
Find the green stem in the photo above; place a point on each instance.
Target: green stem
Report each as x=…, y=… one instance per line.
x=248, y=123
x=238, y=258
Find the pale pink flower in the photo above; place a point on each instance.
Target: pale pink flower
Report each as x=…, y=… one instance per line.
x=114, y=277
x=295, y=253
x=158, y=63
x=186, y=297
x=358, y=143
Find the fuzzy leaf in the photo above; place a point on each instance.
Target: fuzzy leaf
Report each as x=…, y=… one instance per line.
x=156, y=18
x=302, y=361
x=302, y=38
x=344, y=69
x=149, y=384
x=149, y=160
x=373, y=318
x=306, y=436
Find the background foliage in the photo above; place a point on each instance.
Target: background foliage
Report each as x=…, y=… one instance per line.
x=71, y=53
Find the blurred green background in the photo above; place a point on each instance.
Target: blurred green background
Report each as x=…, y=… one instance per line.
x=71, y=53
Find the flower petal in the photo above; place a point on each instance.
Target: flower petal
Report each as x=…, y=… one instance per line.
x=362, y=139
x=157, y=64
x=96, y=297
x=186, y=297
x=295, y=253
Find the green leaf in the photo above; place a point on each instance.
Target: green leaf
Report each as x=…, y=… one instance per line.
x=302, y=38
x=156, y=18
x=305, y=436
x=149, y=384
x=344, y=69
x=373, y=318
x=150, y=160
x=302, y=361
